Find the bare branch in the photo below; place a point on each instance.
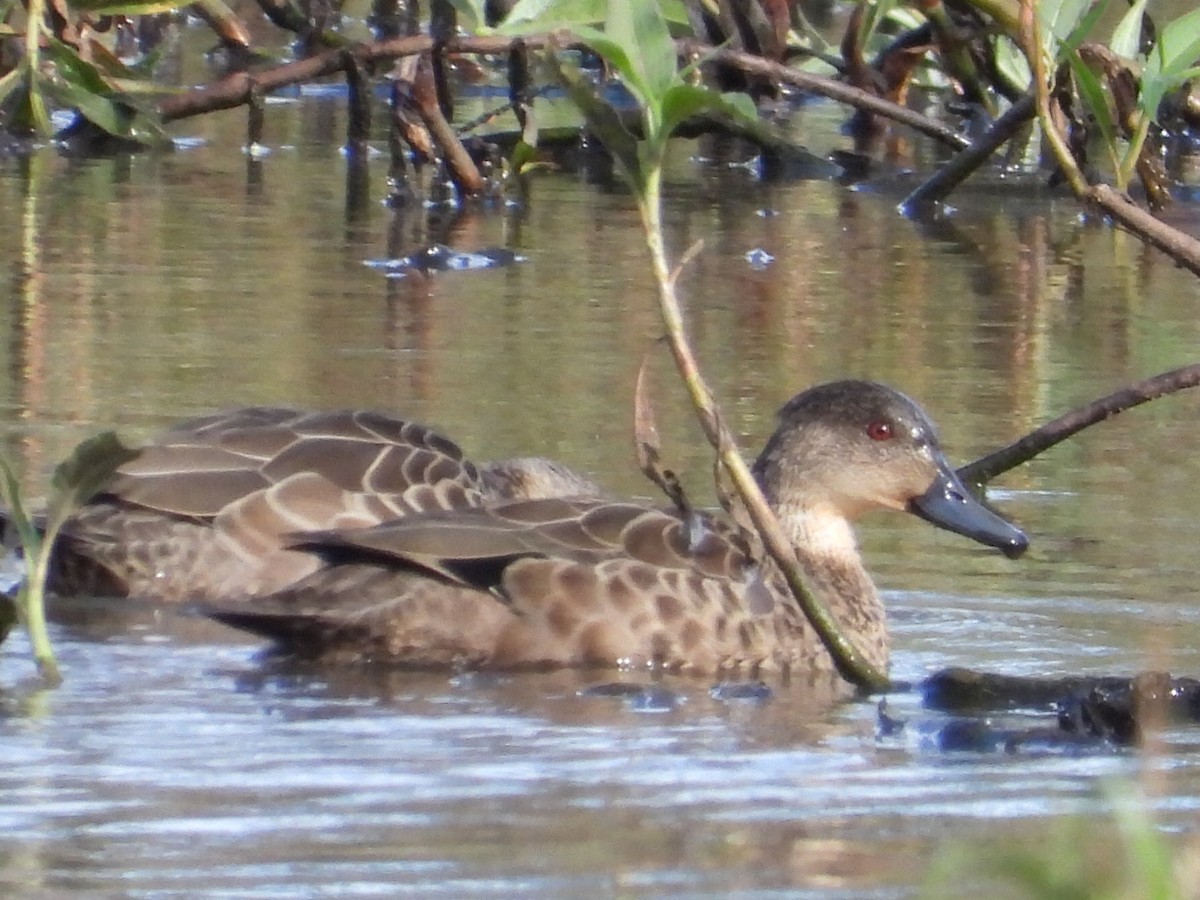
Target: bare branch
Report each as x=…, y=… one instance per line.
x=984, y=469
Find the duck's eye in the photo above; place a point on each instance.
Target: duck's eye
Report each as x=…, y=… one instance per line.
x=880, y=431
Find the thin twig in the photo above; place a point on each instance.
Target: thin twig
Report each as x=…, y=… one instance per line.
x=984, y=469
x=826, y=87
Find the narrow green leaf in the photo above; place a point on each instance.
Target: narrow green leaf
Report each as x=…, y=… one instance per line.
x=102, y=111
x=74, y=68
x=39, y=114
x=1096, y=100
x=529, y=16
x=10, y=494
x=522, y=158
x=1059, y=17
x=1128, y=33
x=10, y=83
x=131, y=7
x=1083, y=29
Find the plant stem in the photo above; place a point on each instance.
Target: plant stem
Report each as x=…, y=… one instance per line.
x=1031, y=44
x=34, y=16
x=31, y=604
x=1136, y=142
x=848, y=660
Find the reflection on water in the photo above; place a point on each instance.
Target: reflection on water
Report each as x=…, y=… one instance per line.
x=174, y=762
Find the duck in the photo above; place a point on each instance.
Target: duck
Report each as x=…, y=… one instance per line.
x=207, y=511
x=584, y=581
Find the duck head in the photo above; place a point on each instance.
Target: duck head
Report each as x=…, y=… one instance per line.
x=847, y=447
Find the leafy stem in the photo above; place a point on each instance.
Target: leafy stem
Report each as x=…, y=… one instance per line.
x=637, y=45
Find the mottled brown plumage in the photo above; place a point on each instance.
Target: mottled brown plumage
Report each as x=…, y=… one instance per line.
x=583, y=582
x=207, y=510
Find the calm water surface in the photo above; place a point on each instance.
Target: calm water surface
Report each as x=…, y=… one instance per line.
x=174, y=761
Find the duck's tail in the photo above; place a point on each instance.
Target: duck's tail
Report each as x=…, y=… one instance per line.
x=304, y=635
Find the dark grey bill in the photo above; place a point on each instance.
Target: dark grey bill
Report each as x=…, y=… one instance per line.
x=948, y=504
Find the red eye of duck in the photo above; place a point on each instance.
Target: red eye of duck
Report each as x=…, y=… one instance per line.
x=880, y=431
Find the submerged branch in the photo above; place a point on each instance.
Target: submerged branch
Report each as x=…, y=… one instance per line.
x=235, y=90
x=826, y=87
x=1181, y=247
x=956, y=171
x=984, y=469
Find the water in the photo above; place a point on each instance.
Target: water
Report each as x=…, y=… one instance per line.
x=174, y=761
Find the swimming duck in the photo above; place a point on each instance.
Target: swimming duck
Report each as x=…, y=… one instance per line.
x=558, y=582
x=206, y=511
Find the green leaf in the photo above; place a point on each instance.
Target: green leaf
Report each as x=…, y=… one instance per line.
x=639, y=28
x=470, y=15
x=1170, y=61
x=1127, y=35
x=85, y=473
x=1178, y=47
x=683, y=101
x=39, y=115
x=617, y=56
x=523, y=158
x=10, y=83
x=75, y=69
x=81, y=86
x=604, y=122
x=1084, y=27
x=104, y=112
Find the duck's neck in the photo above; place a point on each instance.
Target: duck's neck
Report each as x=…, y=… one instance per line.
x=827, y=551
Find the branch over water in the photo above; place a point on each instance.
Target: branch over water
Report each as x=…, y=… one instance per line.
x=984, y=469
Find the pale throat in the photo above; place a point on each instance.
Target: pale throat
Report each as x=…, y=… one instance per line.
x=820, y=531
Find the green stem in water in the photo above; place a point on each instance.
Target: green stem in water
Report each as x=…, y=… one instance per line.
x=31, y=605
x=848, y=660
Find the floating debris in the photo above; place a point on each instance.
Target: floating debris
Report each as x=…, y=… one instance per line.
x=638, y=697
x=741, y=691
x=759, y=258
x=440, y=258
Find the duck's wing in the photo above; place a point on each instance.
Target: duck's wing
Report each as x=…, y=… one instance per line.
x=471, y=547
x=312, y=469
x=202, y=512
x=546, y=582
